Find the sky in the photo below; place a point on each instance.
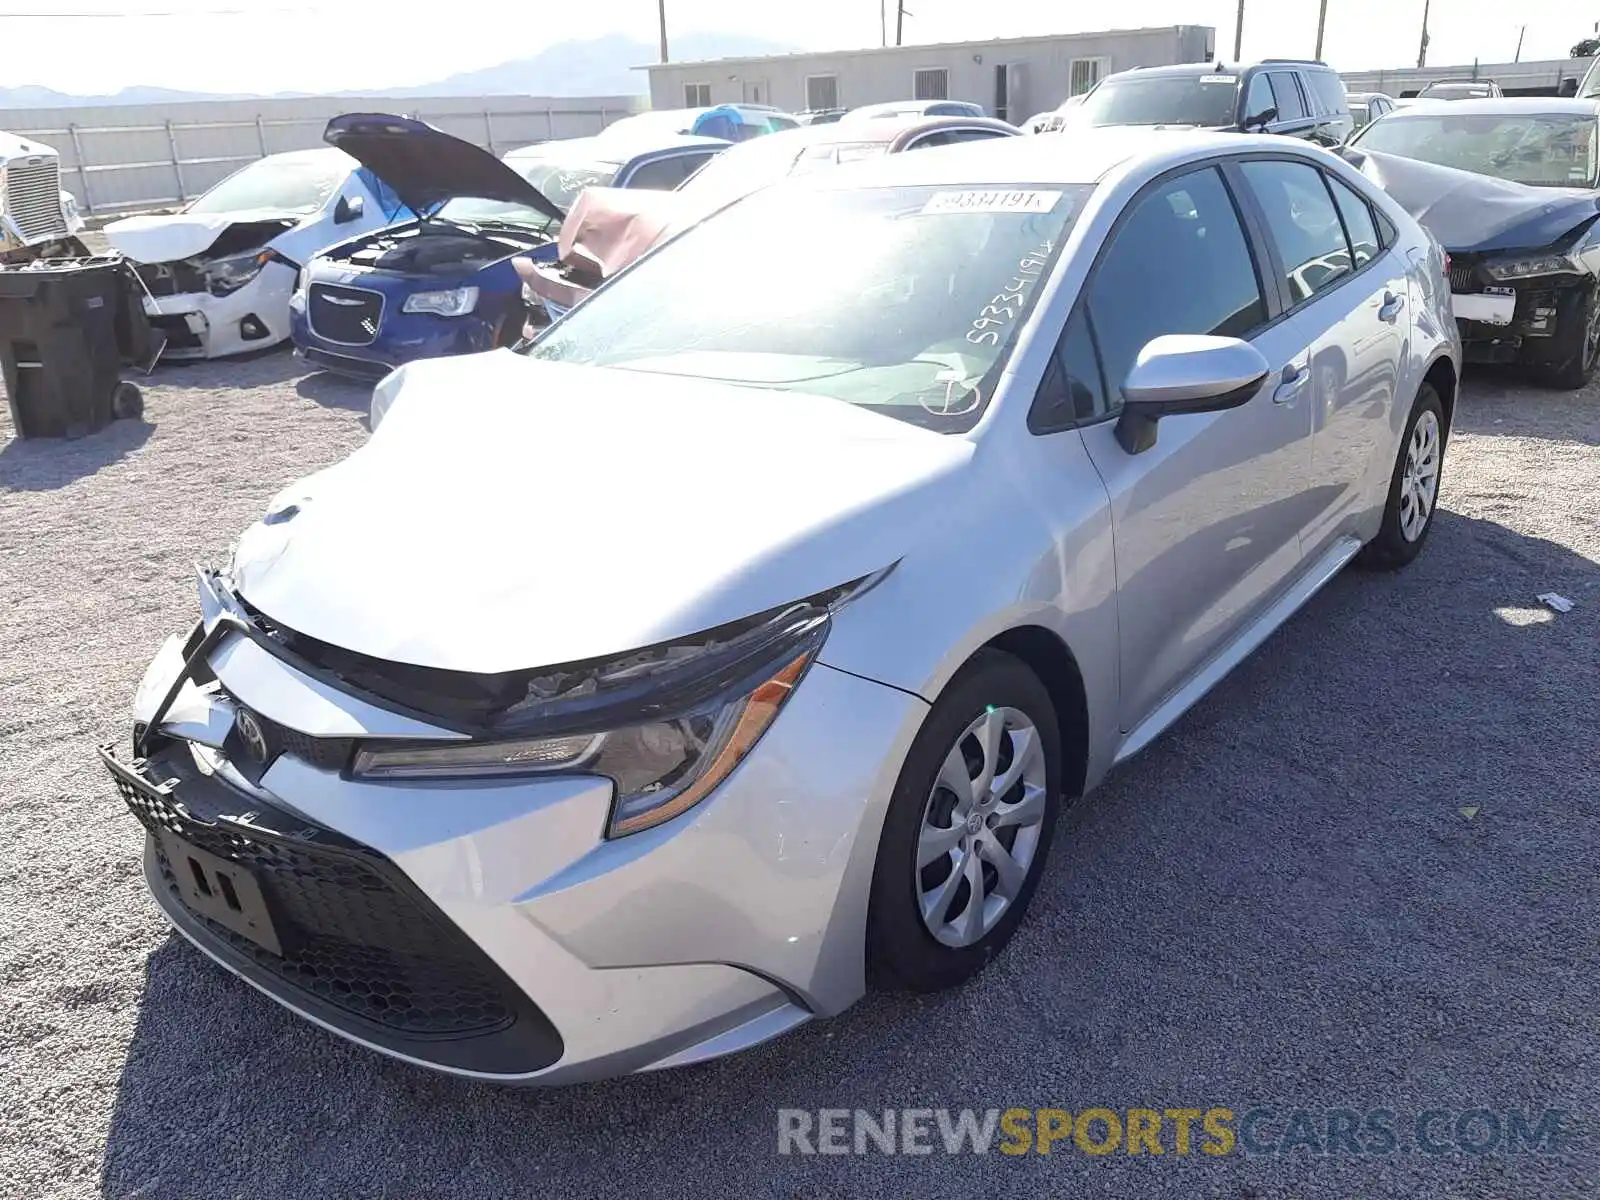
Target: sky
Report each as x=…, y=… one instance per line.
x=316, y=45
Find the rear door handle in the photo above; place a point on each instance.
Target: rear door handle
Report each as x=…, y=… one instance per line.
x=1391, y=306
x=1294, y=378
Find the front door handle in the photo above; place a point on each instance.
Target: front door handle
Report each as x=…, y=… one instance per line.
x=1391, y=306
x=1294, y=378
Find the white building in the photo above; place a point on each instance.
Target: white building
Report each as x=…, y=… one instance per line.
x=1012, y=78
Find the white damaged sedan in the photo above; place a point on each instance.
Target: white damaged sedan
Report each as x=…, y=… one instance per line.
x=218, y=275
x=634, y=700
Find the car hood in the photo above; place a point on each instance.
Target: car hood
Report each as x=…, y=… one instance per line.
x=1472, y=213
x=177, y=236
x=509, y=513
x=427, y=167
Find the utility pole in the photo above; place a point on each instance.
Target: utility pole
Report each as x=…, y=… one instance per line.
x=883, y=22
x=1322, y=20
x=1422, y=49
x=661, y=7
x=900, y=22
x=1521, y=33
x=1238, y=34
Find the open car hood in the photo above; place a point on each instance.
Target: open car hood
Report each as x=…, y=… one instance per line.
x=1472, y=213
x=427, y=167
x=510, y=513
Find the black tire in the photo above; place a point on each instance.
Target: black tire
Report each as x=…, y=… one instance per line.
x=1575, y=349
x=1391, y=549
x=127, y=401
x=902, y=955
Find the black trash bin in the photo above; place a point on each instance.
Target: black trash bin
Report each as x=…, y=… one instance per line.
x=66, y=325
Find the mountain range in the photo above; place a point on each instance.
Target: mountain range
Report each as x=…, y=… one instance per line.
x=596, y=67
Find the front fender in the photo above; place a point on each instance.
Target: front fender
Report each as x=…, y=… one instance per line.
x=1034, y=548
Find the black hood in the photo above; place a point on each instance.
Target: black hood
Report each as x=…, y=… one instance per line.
x=1471, y=213
x=426, y=166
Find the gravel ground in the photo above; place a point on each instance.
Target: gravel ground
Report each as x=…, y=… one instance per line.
x=1279, y=904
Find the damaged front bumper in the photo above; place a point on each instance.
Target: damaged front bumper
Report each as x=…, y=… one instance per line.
x=488, y=927
x=1521, y=321
x=199, y=324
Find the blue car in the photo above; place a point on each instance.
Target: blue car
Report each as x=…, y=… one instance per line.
x=445, y=284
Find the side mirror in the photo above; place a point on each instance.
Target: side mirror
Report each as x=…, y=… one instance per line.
x=1568, y=88
x=1185, y=373
x=1261, y=120
x=348, y=209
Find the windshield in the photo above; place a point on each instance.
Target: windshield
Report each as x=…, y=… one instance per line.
x=291, y=183
x=1209, y=100
x=560, y=178
x=904, y=300
x=1546, y=150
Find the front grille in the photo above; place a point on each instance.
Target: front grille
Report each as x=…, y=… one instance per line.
x=353, y=932
x=326, y=754
x=346, y=315
x=32, y=196
x=1464, y=279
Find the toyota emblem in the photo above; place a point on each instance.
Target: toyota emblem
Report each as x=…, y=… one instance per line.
x=253, y=736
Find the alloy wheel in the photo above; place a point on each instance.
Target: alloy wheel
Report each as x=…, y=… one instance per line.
x=981, y=827
x=1419, y=483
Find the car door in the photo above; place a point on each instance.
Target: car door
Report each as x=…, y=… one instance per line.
x=1207, y=521
x=1347, y=304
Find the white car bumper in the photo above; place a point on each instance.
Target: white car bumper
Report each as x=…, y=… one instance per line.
x=508, y=938
x=200, y=325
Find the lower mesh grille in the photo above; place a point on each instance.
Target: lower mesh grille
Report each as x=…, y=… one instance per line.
x=352, y=933
x=1463, y=279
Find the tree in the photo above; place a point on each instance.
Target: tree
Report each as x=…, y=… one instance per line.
x=1587, y=48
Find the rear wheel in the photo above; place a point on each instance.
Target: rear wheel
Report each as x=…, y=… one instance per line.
x=1414, y=487
x=968, y=829
x=127, y=401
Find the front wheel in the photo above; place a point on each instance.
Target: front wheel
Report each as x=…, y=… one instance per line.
x=1576, y=342
x=1414, y=487
x=968, y=829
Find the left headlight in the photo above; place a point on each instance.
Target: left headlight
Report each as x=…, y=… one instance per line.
x=456, y=302
x=667, y=725
x=224, y=275
x=1533, y=265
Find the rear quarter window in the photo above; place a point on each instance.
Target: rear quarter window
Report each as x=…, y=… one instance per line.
x=1327, y=93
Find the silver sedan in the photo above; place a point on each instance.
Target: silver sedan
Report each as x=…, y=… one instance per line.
x=629, y=701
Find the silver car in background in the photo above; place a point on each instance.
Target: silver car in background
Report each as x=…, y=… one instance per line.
x=629, y=702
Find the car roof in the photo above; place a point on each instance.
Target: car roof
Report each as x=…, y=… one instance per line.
x=1504, y=105
x=1364, y=96
x=1071, y=156
x=617, y=148
x=324, y=154
x=1216, y=68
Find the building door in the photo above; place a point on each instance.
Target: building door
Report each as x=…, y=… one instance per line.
x=756, y=91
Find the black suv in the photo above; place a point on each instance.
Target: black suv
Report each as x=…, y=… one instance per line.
x=1298, y=97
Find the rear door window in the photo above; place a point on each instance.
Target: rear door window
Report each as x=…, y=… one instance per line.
x=1286, y=95
x=664, y=174
x=1358, y=222
x=1303, y=224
